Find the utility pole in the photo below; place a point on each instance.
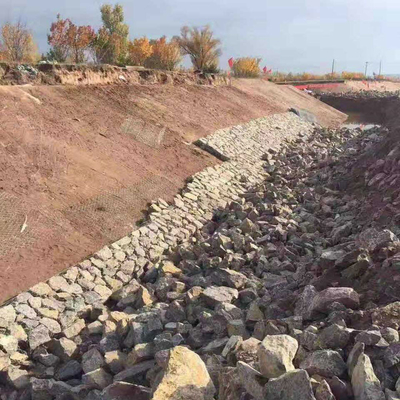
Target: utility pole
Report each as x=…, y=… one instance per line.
x=380, y=68
x=333, y=67
x=366, y=68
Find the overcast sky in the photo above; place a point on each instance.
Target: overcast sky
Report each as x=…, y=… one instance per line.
x=289, y=35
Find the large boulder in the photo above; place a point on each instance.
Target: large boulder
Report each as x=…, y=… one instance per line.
x=294, y=385
x=185, y=377
x=276, y=354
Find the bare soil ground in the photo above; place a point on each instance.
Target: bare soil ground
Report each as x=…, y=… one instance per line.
x=73, y=178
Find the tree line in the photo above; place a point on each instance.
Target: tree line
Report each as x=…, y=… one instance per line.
x=70, y=43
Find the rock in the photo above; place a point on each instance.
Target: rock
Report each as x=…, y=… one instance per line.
x=327, y=363
x=44, y=389
x=141, y=352
x=63, y=348
x=115, y=361
x=247, y=351
x=52, y=325
x=126, y=391
x=130, y=374
x=230, y=385
x=340, y=389
x=169, y=268
x=49, y=360
x=229, y=278
x=276, y=354
x=390, y=395
x=215, y=295
x=19, y=378
x=304, y=303
x=8, y=343
x=58, y=283
x=388, y=316
x=369, y=338
x=69, y=370
x=346, y=296
x=324, y=392
x=7, y=315
x=26, y=310
x=392, y=355
x=38, y=336
x=97, y=379
x=251, y=380
x=184, y=377
x=332, y=337
x=294, y=385
x=390, y=335
x=354, y=355
x=74, y=329
x=104, y=254
x=92, y=360
x=366, y=385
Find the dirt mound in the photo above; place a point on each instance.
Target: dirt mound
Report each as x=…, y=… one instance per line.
x=79, y=163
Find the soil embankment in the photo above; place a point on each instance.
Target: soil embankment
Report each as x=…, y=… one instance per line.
x=372, y=106
x=78, y=164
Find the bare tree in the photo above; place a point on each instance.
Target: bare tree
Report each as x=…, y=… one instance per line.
x=201, y=46
x=17, y=43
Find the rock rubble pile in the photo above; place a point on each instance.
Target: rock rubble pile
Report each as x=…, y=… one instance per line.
x=267, y=296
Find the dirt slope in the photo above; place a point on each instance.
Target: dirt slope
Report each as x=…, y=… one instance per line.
x=75, y=173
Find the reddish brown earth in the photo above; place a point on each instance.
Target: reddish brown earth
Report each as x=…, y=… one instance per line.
x=72, y=179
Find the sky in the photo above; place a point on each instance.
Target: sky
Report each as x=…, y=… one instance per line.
x=289, y=35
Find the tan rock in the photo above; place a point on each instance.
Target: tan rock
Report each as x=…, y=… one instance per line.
x=169, y=268
x=276, y=354
x=185, y=377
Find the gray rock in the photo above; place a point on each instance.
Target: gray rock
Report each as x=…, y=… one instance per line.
x=25, y=310
x=126, y=391
x=130, y=374
x=294, y=385
x=369, y=338
x=327, y=363
x=63, y=348
x=92, y=360
x=324, y=392
x=346, y=296
x=69, y=370
x=391, y=395
x=38, y=336
x=251, y=380
x=97, y=379
x=332, y=337
x=392, y=355
x=215, y=295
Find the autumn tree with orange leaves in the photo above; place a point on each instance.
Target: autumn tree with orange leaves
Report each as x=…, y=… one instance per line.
x=69, y=41
x=166, y=55
x=16, y=43
x=139, y=51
